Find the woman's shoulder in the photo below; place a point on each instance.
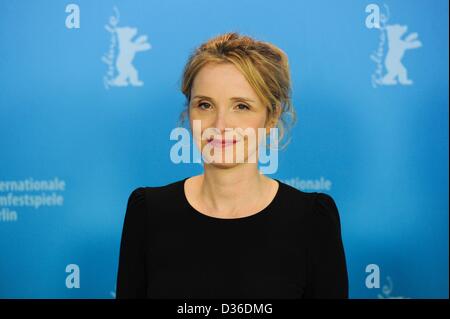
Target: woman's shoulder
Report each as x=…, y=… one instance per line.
x=155, y=193
x=311, y=196
x=318, y=207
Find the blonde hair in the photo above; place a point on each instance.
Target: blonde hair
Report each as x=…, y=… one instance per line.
x=264, y=65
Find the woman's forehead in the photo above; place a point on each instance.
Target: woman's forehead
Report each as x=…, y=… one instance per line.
x=222, y=80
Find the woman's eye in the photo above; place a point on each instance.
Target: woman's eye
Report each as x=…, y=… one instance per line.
x=242, y=107
x=204, y=105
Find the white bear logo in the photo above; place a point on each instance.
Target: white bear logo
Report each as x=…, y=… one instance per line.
x=121, y=71
x=128, y=47
x=396, y=49
x=389, y=68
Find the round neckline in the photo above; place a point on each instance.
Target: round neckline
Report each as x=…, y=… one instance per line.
x=261, y=213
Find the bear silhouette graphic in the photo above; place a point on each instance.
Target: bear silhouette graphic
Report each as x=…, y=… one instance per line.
x=127, y=73
x=396, y=50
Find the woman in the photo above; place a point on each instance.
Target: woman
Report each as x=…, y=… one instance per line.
x=232, y=232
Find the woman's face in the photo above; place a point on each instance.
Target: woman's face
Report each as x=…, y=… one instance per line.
x=223, y=101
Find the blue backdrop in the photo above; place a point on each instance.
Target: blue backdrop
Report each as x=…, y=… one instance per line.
x=76, y=138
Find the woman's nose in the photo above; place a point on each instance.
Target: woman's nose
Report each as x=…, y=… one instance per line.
x=220, y=121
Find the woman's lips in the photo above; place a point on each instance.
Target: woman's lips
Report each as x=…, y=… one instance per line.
x=221, y=143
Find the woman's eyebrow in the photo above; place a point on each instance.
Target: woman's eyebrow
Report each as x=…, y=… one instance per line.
x=235, y=98
x=203, y=97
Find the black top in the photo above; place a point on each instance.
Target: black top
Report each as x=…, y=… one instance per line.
x=290, y=249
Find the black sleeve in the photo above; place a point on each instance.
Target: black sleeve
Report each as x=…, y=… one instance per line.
x=131, y=276
x=326, y=266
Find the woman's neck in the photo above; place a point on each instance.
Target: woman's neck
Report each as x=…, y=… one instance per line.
x=234, y=191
